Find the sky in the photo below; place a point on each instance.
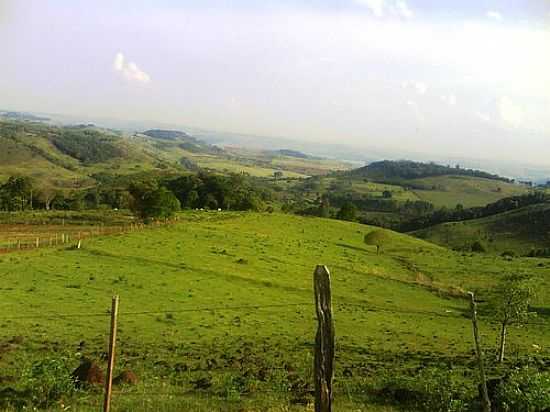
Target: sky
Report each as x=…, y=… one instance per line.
x=463, y=78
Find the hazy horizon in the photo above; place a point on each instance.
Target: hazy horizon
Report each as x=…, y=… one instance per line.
x=467, y=80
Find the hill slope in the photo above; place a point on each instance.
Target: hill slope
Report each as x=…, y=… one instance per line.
x=226, y=297
x=518, y=230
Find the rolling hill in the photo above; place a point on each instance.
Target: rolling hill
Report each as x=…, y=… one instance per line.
x=217, y=312
x=518, y=231
x=443, y=186
x=68, y=157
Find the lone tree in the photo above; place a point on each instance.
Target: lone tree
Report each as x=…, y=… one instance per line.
x=510, y=304
x=376, y=238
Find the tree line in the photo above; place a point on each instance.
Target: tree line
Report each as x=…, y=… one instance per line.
x=407, y=169
x=459, y=213
x=146, y=196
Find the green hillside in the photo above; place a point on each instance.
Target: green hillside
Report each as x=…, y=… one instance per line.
x=442, y=186
x=67, y=157
x=469, y=191
x=226, y=299
x=518, y=231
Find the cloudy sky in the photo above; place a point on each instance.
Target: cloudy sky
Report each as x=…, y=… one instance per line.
x=468, y=78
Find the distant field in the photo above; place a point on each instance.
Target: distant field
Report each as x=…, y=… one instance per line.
x=518, y=231
x=197, y=303
x=469, y=191
x=221, y=165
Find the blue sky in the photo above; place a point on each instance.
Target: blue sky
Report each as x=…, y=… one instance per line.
x=467, y=78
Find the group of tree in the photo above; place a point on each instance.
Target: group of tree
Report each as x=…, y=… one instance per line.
x=460, y=213
x=213, y=191
x=406, y=169
x=146, y=195
x=87, y=145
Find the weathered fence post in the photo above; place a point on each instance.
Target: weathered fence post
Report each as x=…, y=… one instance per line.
x=112, y=351
x=324, y=340
x=486, y=402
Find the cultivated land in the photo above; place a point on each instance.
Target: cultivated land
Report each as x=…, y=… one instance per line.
x=217, y=314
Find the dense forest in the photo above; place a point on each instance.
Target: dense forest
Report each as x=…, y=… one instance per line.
x=88, y=146
x=406, y=169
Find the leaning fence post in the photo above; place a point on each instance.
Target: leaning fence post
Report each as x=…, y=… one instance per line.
x=486, y=402
x=324, y=340
x=111, y=361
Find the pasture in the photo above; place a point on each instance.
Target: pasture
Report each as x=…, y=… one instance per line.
x=216, y=312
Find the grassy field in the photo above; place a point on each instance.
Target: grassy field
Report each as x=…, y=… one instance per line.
x=518, y=231
x=468, y=191
x=226, y=299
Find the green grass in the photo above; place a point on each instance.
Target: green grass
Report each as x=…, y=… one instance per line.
x=449, y=191
x=393, y=312
x=518, y=231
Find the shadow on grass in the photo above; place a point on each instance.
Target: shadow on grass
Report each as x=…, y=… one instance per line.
x=358, y=249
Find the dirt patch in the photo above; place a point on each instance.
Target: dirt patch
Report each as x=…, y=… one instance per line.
x=126, y=377
x=88, y=373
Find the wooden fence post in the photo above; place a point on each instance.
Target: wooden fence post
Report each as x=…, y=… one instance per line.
x=324, y=340
x=486, y=402
x=112, y=352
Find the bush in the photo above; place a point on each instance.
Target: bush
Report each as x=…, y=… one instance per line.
x=525, y=390
x=47, y=381
x=478, y=247
x=431, y=390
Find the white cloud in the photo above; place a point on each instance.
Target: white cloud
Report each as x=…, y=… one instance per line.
x=130, y=70
x=483, y=116
x=119, y=62
x=510, y=112
x=494, y=15
x=420, y=87
x=404, y=10
x=449, y=99
x=380, y=8
x=375, y=6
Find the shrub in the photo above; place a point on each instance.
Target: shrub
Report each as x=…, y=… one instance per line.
x=525, y=390
x=47, y=381
x=478, y=247
x=431, y=390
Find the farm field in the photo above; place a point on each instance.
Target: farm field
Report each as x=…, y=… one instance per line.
x=216, y=312
x=468, y=191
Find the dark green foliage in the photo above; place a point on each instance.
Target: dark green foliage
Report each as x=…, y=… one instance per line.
x=47, y=381
x=16, y=194
x=432, y=389
x=524, y=390
x=539, y=253
x=478, y=247
x=406, y=169
x=364, y=202
x=211, y=191
x=152, y=201
x=460, y=214
x=348, y=212
x=189, y=164
x=88, y=146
